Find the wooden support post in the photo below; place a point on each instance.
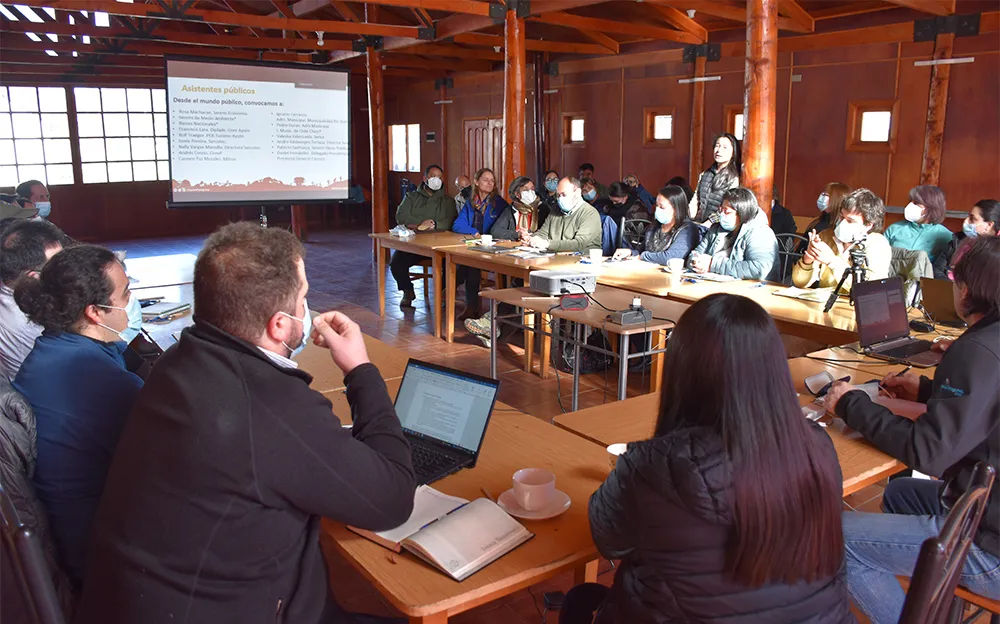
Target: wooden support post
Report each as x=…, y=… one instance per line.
x=760, y=100
x=443, y=134
x=937, y=104
x=513, y=101
x=697, y=122
x=378, y=133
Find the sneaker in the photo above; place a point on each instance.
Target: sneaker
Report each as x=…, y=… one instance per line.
x=480, y=326
x=407, y=300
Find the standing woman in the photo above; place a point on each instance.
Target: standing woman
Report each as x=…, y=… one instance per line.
x=476, y=218
x=732, y=511
x=921, y=229
x=828, y=204
x=527, y=212
x=983, y=220
x=723, y=175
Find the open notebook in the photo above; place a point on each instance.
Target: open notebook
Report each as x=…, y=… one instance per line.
x=455, y=536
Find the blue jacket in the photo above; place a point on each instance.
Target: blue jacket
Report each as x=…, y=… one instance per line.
x=81, y=394
x=684, y=240
x=463, y=224
x=645, y=197
x=754, y=254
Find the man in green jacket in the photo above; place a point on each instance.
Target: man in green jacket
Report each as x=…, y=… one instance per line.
x=426, y=209
x=576, y=227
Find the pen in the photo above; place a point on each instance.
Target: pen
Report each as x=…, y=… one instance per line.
x=826, y=388
x=904, y=371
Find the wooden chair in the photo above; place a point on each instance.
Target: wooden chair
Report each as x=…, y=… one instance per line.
x=932, y=597
x=789, y=246
x=424, y=275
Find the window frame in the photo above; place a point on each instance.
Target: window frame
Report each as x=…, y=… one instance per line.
x=567, y=129
x=45, y=141
x=649, y=116
x=406, y=148
x=730, y=111
x=856, y=110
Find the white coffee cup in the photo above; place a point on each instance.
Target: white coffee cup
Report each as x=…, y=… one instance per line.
x=596, y=255
x=486, y=240
x=615, y=450
x=676, y=265
x=534, y=488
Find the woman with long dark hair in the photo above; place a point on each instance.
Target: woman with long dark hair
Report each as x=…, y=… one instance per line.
x=741, y=244
x=476, y=218
x=731, y=512
x=723, y=175
x=672, y=235
x=983, y=220
x=78, y=385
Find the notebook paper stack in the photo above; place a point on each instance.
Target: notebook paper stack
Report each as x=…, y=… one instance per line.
x=454, y=535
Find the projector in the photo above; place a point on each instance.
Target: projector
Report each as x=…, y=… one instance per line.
x=559, y=282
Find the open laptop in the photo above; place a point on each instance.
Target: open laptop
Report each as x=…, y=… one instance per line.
x=939, y=303
x=444, y=413
x=883, y=327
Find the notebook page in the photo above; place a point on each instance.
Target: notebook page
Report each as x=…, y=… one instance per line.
x=428, y=505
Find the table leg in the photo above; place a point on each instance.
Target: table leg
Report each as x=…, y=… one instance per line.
x=380, y=261
x=501, y=280
x=622, y=366
x=528, y=320
x=656, y=369
x=543, y=363
x=436, y=262
x=587, y=573
x=449, y=313
x=575, y=402
x=493, y=338
x=435, y=618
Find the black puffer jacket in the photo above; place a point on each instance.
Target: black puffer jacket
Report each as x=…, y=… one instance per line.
x=665, y=512
x=712, y=185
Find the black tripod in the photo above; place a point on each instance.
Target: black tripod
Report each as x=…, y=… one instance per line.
x=858, y=271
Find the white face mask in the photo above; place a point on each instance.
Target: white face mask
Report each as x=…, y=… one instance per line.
x=433, y=184
x=823, y=202
x=849, y=232
x=528, y=197
x=913, y=213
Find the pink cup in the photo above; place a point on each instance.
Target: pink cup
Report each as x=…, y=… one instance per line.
x=534, y=488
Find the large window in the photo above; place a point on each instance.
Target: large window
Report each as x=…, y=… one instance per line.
x=404, y=147
x=34, y=136
x=123, y=134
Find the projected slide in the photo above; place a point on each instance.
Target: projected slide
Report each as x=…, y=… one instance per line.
x=257, y=133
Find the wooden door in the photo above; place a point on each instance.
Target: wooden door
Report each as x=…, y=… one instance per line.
x=484, y=148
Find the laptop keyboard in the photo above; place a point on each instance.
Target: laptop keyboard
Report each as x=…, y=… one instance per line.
x=910, y=348
x=429, y=462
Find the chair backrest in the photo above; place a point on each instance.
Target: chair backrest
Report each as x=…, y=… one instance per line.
x=634, y=233
x=791, y=247
x=935, y=576
x=30, y=566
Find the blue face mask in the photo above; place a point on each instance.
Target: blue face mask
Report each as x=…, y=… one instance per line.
x=727, y=222
x=44, y=209
x=969, y=229
x=306, y=329
x=663, y=215
x=590, y=195
x=134, y=311
x=564, y=205
x=550, y=185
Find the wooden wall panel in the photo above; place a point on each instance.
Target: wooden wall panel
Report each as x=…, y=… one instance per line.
x=913, y=91
x=656, y=164
x=718, y=95
x=602, y=105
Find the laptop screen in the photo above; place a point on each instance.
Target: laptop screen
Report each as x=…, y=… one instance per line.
x=445, y=404
x=880, y=310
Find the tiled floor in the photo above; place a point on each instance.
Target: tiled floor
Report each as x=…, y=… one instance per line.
x=342, y=276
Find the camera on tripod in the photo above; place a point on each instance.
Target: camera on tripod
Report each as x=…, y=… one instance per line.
x=858, y=272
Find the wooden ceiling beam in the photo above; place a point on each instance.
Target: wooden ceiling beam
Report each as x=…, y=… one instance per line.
x=227, y=41
x=601, y=39
x=934, y=7
x=678, y=19
x=66, y=68
x=468, y=7
x=847, y=10
x=345, y=11
x=76, y=81
x=406, y=60
x=794, y=12
x=10, y=43
x=450, y=50
x=38, y=57
x=717, y=8
x=533, y=45
x=154, y=11
x=423, y=17
x=603, y=25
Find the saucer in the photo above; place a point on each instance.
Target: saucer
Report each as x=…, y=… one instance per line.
x=560, y=503
x=482, y=244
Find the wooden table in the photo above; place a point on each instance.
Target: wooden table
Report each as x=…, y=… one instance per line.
x=502, y=264
x=156, y=271
x=513, y=441
x=429, y=245
x=805, y=319
x=635, y=419
x=327, y=377
x=664, y=313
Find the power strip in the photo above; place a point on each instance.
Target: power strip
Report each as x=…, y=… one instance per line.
x=632, y=317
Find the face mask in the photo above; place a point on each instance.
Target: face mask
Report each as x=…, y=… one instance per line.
x=662, y=215
x=969, y=229
x=307, y=321
x=433, y=184
x=848, y=232
x=44, y=209
x=134, y=311
x=528, y=197
x=823, y=202
x=564, y=205
x=727, y=222
x=913, y=213
x=550, y=185
x=590, y=195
